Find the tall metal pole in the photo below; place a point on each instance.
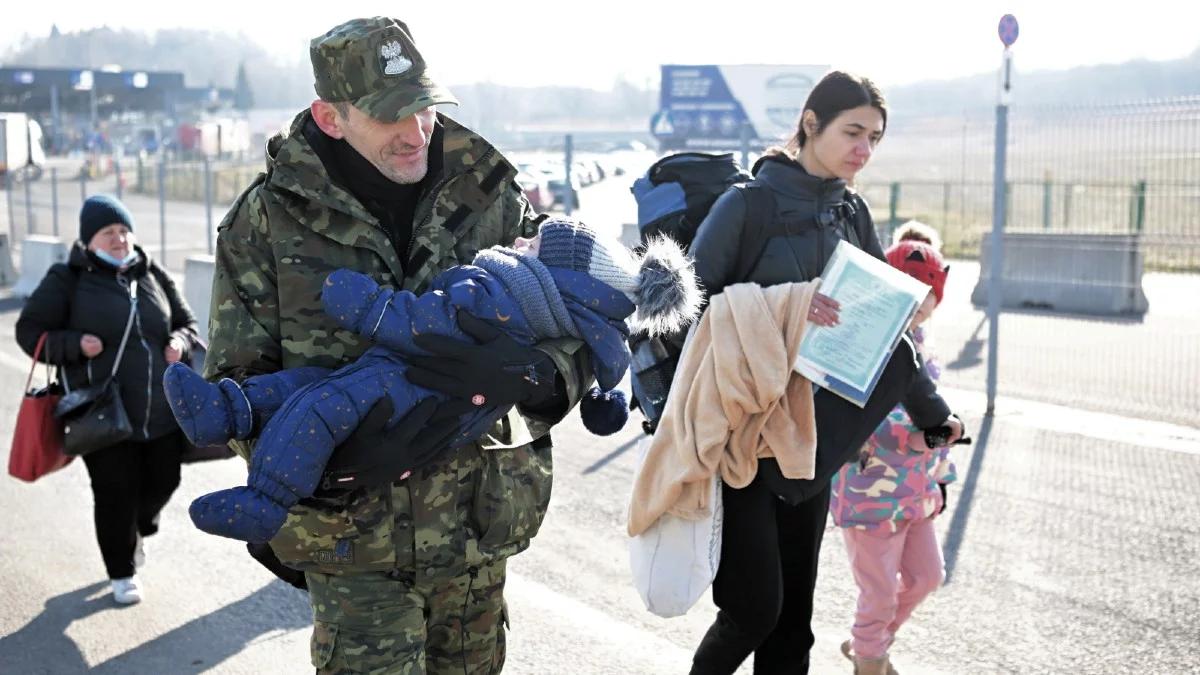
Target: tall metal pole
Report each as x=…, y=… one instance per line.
x=8, y=199
x=54, y=198
x=999, y=215
x=208, y=204
x=569, y=199
x=745, y=140
x=162, y=211
x=26, y=171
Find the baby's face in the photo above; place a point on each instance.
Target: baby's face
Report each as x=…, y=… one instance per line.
x=528, y=246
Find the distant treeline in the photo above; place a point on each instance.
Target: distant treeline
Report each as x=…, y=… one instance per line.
x=212, y=58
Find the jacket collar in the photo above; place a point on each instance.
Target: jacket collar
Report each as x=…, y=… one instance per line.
x=786, y=176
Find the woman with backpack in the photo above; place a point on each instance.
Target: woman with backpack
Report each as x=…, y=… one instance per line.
x=773, y=527
x=111, y=305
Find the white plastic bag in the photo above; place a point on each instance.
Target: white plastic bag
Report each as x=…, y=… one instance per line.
x=675, y=560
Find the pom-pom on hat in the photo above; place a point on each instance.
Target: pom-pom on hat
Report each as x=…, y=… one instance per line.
x=660, y=283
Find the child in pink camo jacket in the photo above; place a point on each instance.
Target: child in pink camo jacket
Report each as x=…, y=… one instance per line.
x=886, y=502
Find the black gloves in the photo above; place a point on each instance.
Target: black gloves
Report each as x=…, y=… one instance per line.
x=377, y=454
x=499, y=371
x=939, y=436
x=267, y=558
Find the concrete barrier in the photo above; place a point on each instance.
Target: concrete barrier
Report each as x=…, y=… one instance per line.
x=1083, y=273
x=197, y=289
x=38, y=253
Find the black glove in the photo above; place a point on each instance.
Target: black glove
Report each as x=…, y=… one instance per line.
x=377, y=454
x=938, y=437
x=266, y=557
x=942, y=487
x=498, y=371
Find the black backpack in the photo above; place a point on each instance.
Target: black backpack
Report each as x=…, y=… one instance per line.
x=673, y=198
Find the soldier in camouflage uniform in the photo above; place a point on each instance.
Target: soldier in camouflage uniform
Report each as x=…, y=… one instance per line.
x=406, y=577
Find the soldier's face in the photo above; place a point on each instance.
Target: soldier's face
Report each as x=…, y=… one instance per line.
x=400, y=150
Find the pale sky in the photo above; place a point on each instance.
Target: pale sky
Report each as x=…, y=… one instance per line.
x=533, y=42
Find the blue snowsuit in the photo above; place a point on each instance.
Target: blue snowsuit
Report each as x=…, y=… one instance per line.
x=323, y=408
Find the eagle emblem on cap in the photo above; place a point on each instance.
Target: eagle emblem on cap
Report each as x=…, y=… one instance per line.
x=394, y=61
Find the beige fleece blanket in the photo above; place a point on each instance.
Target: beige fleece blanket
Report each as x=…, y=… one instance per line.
x=734, y=399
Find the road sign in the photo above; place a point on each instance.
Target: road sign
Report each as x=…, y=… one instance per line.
x=1008, y=29
x=706, y=107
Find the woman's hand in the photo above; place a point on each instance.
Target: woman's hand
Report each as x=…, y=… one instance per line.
x=823, y=310
x=174, y=350
x=917, y=442
x=90, y=345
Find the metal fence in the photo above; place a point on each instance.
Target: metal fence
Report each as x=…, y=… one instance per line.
x=176, y=204
x=1115, y=169
x=1087, y=187
x=1103, y=171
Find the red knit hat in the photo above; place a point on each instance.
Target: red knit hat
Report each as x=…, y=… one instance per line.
x=921, y=262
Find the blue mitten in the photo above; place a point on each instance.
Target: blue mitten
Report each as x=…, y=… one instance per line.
x=212, y=414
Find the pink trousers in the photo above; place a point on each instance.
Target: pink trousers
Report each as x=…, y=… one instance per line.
x=895, y=571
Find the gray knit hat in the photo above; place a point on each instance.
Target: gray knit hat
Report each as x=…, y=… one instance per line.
x=660, y=283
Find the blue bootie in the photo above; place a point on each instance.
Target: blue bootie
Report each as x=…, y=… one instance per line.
x=239, y=513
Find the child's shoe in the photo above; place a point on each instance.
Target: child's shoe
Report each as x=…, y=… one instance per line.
x=862, y=666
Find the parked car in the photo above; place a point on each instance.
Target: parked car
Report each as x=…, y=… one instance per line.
x=537, y=191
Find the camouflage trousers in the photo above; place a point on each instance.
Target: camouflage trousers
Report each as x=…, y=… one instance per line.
x=386, y=624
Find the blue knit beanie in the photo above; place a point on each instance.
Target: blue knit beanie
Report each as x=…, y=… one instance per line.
x=574, y=246
x=100, y=211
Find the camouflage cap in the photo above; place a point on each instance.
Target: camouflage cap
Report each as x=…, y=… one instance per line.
x=374, y=64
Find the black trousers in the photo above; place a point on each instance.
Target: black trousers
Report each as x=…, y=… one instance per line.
x=131, y=483
x=765, y=583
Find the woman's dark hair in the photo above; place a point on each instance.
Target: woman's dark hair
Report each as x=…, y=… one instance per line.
x=837, y=92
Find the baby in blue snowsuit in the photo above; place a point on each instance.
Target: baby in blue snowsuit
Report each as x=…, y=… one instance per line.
x=567, y=281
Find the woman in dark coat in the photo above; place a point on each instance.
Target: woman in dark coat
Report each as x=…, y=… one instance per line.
x=83, y=307
x=772, y=530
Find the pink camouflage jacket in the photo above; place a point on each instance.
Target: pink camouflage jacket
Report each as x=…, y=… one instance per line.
x=891, y=482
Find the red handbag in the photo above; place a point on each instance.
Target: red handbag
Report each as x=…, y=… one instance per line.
x=37, y=443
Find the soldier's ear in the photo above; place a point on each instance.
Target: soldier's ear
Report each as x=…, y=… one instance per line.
x=327, y=117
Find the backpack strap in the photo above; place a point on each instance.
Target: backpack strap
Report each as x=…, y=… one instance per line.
x=760, y=215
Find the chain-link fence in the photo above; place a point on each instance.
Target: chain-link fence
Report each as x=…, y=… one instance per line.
x=1103, y=206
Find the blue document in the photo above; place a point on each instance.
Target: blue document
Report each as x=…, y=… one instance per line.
x=877, y=303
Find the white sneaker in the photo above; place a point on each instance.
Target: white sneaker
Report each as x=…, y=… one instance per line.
x=139, y=553
x=127, y=591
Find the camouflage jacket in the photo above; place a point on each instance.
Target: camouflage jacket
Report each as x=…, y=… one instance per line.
x=283, y=236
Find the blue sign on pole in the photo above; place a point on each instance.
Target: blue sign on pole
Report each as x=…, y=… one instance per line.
x=1008, y=29
x=709, y=107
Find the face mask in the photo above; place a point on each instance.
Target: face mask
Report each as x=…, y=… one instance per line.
x=115, y=261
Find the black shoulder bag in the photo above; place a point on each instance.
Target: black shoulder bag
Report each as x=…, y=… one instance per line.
x=94, y=417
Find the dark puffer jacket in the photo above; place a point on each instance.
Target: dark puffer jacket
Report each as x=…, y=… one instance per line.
x=798, y=244
x=811, y=216
x=87, y=295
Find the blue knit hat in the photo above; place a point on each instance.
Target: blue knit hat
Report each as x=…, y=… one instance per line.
x=100, y=211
